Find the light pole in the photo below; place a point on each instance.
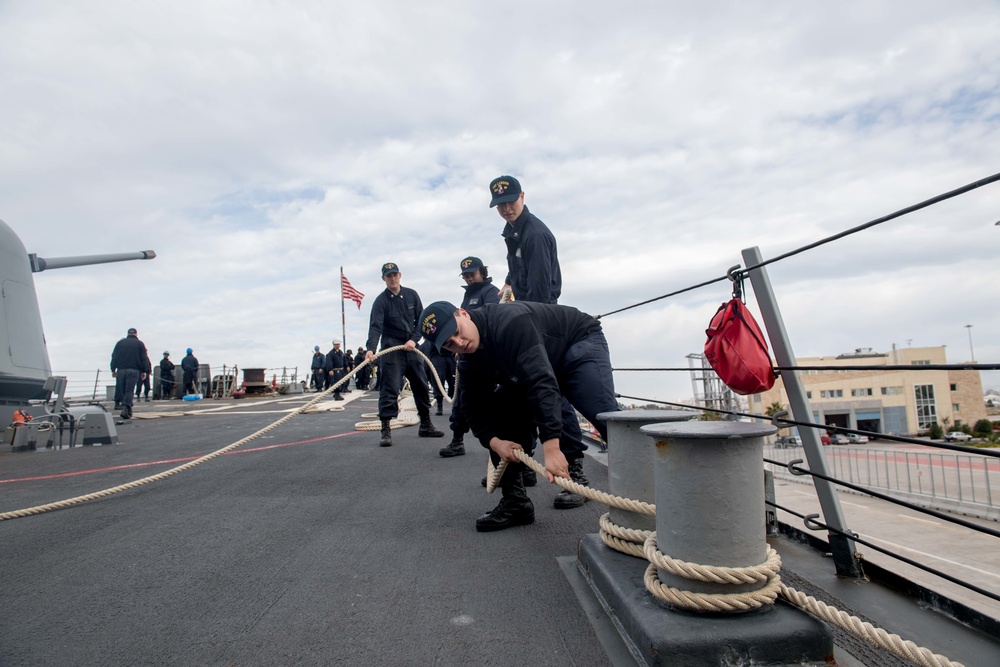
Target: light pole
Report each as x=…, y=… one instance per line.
x=969, y=327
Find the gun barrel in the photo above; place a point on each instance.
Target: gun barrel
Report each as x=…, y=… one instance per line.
x=39, y=264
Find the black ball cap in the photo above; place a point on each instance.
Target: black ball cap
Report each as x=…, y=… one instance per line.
x=437, y=323
x=504, y=189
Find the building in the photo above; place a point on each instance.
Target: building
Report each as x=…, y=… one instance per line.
x=899, y=402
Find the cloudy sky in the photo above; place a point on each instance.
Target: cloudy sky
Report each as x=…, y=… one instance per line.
x=259, y=146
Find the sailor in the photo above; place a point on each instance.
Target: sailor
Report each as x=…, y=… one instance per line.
x=517, y=362
x=318, y=367
x=533, y=275
x=444, y=366
x=479, y=291
x=189, y=364
x=129, y=365
x=166, y=377
x=144, y=384
x=361, y=379
x=336, y=368
x=394, y=321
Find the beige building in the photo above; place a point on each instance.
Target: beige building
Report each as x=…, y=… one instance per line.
x=900, y=402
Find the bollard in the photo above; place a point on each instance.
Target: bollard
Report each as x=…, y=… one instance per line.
x=709, y=493
x=710, y=497
x=630, y=460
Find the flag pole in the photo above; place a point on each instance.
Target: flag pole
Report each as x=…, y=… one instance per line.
x=343, y=318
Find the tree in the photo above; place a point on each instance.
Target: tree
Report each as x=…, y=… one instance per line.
x=935, y=432
x=982, y=428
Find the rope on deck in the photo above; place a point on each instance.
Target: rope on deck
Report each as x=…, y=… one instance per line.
x=78, y=500
x=642, y=544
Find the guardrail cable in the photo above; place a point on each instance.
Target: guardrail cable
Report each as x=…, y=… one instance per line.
x=853, y=230
x=781, y=422
x=813, y=521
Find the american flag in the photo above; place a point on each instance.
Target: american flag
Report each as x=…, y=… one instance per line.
x=347, y=291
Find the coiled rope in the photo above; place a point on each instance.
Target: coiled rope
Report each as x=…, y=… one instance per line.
x=642, y=544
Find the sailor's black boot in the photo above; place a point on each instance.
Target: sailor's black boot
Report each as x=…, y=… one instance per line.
x=427, y=429
x=386, y=440
x=440, y=409
x=455, y=448
x=515, y=508
x=567, y=500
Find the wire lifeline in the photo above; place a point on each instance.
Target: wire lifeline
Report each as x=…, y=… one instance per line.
x=780, y=422
x=853, y=230
x=78, y=500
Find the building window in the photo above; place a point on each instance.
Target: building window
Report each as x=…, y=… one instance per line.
x=809, y=394
x=926, y=408
x=861, y=392
x=831, y=393
x=954, y=387
x=892, y=391
x=955, y=407
x=922, y=362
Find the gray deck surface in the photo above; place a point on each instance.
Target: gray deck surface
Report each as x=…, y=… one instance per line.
x=314, y=546
x=317, y=550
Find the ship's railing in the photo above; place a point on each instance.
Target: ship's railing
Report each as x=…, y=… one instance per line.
x=844, y=470
x=965, y=483
x=91, y=385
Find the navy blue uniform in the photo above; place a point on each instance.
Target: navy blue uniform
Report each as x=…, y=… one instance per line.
x=189, y=364
x=532, y=260
x=336, y=367
x=476, y=296
x=318, y=368
x=129, y=360
x=394, y=320
x=538, y=354
x=166, y=378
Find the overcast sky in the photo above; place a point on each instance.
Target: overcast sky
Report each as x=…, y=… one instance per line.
x=259, y=146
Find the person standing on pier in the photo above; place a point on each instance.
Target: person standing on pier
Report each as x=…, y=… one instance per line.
x=518, y=363
x=395, y=321
x=533, y=274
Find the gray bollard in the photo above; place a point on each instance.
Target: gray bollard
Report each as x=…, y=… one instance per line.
x=630, y=460
x=710, y=497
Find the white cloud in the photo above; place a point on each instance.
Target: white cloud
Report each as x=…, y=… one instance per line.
x=257, y=147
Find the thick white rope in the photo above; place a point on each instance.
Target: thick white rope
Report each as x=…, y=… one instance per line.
x=642, y=544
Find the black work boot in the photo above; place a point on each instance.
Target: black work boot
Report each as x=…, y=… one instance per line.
x=337, y=396
x=455, y=448
x=440, y=410
x=515, y=508
x=427, y=429
x=386, y=440
x=567, y=500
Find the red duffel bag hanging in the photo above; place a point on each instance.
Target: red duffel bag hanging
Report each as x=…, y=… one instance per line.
x=736, y=350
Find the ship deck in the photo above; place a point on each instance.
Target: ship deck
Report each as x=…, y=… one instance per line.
x=313, y=546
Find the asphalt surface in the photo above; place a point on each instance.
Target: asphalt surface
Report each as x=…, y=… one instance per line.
x=309, y=546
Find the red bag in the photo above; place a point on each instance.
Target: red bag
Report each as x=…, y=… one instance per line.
x=737, y=351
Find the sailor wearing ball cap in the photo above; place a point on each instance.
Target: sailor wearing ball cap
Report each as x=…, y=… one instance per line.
x=394, y=321
x=514, y=361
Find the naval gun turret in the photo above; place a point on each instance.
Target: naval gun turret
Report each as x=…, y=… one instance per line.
x=24, y=357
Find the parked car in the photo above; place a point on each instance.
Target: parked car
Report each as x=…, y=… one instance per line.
x=856, y=439
x=824, y=439
x=787, y=442
x=958, y=436
x=838, y=439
